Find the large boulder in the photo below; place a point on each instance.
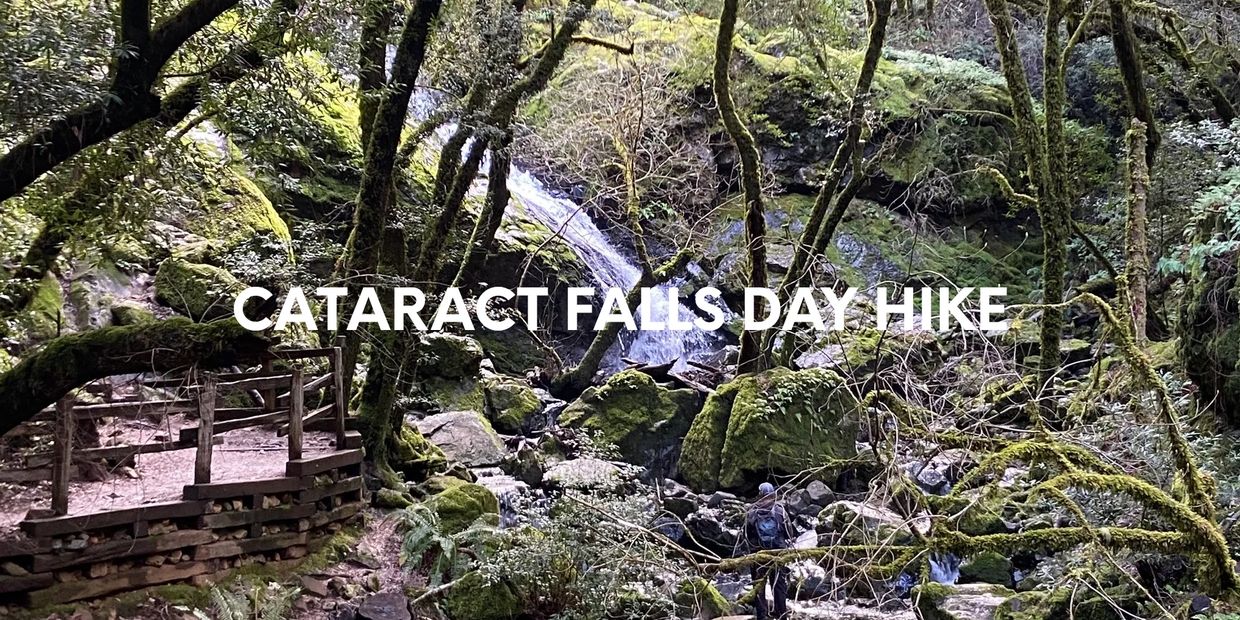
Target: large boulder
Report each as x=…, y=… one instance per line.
x=860, y=523
x=459, y=505
x=197, y=290
x=464, y=436
x=644, y=420
x=775, y=422
x=449, y=356
x=512, y=405
x=587, y=474
x=478, y=597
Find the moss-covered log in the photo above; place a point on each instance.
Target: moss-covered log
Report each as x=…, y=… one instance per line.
x=70, y=361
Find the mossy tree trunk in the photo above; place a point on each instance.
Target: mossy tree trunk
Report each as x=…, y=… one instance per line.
x=482, y=239
x=377, y=18
x=1046, y=162
x=361, y=256
x=68, y=362
x=497, y=122
x=1137, y=267
x=1131, y=68
x=819, y=227
x=751, y=176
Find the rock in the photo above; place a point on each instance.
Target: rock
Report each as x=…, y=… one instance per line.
x=671, y=527
x=776, y=422
x=680, y=506
x=819, y=493
x=987, y=567
x=449, y=356
x=963, y=602
x=797, y=503
x=861, y=523
x=317, y=587
x=11, y=568
x=458, y=506
x=585, y=474
x=719, y=498
x=199, y=291
x=698, y=598
x=512, y=406
x=465, y=437
x=130, y=313
x=390, y=605
x=526, y=464
x=643, y=419
x=476, y=598
x=707, y=529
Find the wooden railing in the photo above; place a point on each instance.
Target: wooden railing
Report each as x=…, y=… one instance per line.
x=282, y=404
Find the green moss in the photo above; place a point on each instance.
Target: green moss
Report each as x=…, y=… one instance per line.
x=475, y=597
x=776, y=422
x=458, y=506
x=1062, y=603
x=449, y=356
x=235, y=210
x=987, y=567
x=130, y=313
x=513, y=350
x=197, y=290
x=699, y=598
x=511, y=404
x=44, y=316
x=641, y=418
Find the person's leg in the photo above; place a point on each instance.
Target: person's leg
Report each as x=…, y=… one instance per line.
x=759, y=587
x=780, y=590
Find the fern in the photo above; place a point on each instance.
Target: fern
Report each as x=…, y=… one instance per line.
x=424, y=545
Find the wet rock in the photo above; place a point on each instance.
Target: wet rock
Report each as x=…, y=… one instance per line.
x=819, y=494
x=384, y=606
x=585, y=474
x=680, y=506
x=706, y=529
x=962, y=602
x=987, y=567
x=526, y=464
x=719, y=498
x=465, y=437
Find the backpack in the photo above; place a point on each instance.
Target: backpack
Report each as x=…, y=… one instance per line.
x=767, y=526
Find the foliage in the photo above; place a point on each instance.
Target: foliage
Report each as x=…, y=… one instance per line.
x=271, y=601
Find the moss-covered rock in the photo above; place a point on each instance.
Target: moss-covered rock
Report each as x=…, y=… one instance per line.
x=464, y=436
x=1067, y=603
x=130, y=313
x=475, y=597
x=699, y=598
x=235, y=210
x=511, y=404
x=987, y=567
x=459, y=505
x=197, y=290
x=44, y=316
x=643, y=419
x=449, y=356
x=776, y=422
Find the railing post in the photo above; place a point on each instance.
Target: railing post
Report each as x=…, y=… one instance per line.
x=206, y=429
x=62, y=456
x=296, y=410
x=338, y=391
x=269, y=394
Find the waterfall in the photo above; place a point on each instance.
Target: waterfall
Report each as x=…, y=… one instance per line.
x=608, y=266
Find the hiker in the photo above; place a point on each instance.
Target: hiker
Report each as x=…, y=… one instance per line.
x=767, y=527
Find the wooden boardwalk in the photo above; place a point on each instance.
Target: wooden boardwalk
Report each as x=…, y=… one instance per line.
x=61, y=555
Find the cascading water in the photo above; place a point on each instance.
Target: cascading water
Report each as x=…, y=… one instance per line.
x=608, y=265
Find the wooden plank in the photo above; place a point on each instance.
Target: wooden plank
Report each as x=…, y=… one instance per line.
x=230, y=548
x=232, y=425
x=315, y=494
x=16, y=547
x=112, y=453
x=224, y=414
x=296, y=409
x=264, y=382
x=72, y=524
x=309, y=418
x=115, y=549
x=120, y=582
x=130, y=409
x=62, y=458
x=206, y=431
x=352, y=440
x=319, y=464
x=269, y=394
x=301, y=354
x=237, y=518
x=317, y=383
x=228, y=490
x=339, y=397
x=10, y=584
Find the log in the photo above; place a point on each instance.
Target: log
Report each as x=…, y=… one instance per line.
x=206, y=431
x=62, y=457
x=296, y=409
x=67, y=362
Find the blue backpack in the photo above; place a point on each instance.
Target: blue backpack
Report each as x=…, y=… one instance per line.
x=766, y=523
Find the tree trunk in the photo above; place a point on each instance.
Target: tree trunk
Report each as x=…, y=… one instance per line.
x=1056, y=205
x=372, y=61
x=1137, y=265
x=68, y=362
x=1124, y=40
x=751, y=176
